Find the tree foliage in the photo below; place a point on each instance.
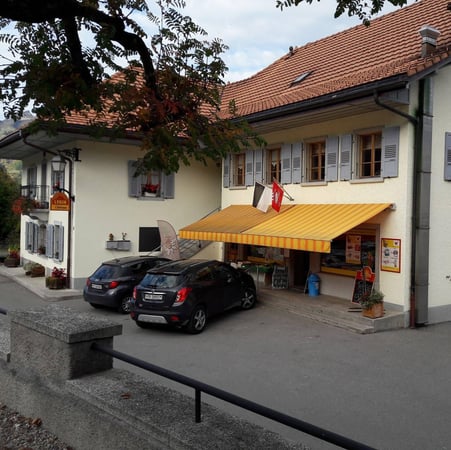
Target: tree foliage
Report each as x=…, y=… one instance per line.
x=363, y=9
x=9, y=223
x=124, y=66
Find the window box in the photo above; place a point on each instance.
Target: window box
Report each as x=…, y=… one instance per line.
x=122, y=245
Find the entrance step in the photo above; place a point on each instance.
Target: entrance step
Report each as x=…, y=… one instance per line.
x=330, y=310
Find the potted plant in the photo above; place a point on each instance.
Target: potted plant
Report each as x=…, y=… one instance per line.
x=13, y=258
x=372, y=304
x=57, y=279
x=37, y=270
x=150, y=190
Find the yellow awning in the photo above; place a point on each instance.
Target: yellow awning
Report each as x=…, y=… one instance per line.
x=229, y=224
x=309, y=227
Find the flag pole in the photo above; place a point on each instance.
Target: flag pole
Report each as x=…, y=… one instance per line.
x=287, y=195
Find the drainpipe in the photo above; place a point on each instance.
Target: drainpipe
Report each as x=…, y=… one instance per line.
x=69, y=217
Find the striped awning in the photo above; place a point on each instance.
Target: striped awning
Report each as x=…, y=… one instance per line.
x=309, y=227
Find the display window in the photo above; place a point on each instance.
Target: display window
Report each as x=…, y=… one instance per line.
x=349, y=252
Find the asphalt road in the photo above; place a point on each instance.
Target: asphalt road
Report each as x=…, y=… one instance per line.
x=390, y=390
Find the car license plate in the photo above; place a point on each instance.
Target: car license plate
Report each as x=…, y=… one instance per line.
x=153, y=296
x=96, y=286
x=151, y=319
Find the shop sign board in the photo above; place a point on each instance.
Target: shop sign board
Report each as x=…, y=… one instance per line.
x=59, y=202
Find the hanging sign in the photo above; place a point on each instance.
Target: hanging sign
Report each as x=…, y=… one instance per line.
x=391, y=255
x=363, y=283
x=59, y=202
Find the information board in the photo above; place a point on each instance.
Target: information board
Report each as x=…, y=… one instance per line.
x=363, y=283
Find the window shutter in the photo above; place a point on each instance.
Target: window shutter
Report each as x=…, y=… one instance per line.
x=332, y=158
x=134, y=183
x=447, y=156
x=35, y=228
x=345, y=156
x=390, y=152
x=226, y=175
x=296, y=166
x=249, y=180
x=168, y=185
x=49, y=242
x=258, y=161
x=61, y=243
x=28, y=237
x=285, y=176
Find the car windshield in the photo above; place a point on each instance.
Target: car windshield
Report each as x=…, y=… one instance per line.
x=107, y=272
x=161, y=280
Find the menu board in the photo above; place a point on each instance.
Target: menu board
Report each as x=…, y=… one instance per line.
x=363, y=283
x=280, y=278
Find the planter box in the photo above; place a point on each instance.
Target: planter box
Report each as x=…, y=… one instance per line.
x=11, y=262
x=374, y=312
x=55, y=283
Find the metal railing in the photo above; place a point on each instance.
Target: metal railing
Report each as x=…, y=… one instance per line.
x=199, y=387
x=39, y=194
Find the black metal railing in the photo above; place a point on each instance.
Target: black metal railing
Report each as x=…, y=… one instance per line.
x=199, y=387
x=39, y=195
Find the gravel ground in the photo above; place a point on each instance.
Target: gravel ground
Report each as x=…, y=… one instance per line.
x=25, y=433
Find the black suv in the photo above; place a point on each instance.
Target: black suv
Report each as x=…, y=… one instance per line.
x=186, y=292
x=113, y=282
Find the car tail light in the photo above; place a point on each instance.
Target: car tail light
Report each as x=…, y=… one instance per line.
x=88, y=282
x=134, y=293
x=174, y=318
x=113, y=284
x=182, y=295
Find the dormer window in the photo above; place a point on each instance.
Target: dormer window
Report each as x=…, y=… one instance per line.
x=301, y=77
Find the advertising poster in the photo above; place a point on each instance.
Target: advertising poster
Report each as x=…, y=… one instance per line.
x=353, y=249
x=391, y=255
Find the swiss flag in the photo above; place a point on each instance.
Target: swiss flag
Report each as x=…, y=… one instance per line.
x=277, y=195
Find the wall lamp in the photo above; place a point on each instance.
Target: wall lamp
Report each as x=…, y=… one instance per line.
x=59, y=165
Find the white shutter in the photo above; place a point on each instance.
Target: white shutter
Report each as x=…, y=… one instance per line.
x=390, y=152
x=296, y=163
x=285, y=176
x=345, y=156
x=332, y=158
x=249, y=177
x=258, y=164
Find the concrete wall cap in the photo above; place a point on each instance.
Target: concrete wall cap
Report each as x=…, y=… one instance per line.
x=66, y=324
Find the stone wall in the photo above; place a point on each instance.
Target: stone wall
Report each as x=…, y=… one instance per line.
x=48, y=370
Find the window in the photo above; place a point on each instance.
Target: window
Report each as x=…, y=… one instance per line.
x=274, y=165
x=239, y=161
x=154, y=184
x=370, y=155
x=316, y=159
x=55, y=241
x=58, y=179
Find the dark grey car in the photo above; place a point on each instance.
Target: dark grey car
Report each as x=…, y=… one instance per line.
x=112, y=284
x=186, y=293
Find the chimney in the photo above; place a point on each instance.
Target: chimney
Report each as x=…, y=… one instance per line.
x=429, y=40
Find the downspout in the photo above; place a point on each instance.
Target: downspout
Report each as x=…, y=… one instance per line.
x=419, y=271
x=69, y=217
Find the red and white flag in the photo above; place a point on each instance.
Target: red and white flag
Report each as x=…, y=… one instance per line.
x=277, y=195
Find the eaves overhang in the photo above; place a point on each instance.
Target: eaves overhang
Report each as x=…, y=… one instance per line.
x=329, y=100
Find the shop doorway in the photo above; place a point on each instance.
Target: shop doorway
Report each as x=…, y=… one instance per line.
x=301, y=265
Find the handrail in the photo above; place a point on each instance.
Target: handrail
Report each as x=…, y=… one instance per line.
x=199, y=387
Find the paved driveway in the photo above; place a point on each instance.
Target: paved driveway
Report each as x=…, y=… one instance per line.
x=390, y=390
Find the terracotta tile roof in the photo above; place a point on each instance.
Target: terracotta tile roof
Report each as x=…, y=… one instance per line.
x=390, y=46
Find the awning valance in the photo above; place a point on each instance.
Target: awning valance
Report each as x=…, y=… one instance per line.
x=309, y=227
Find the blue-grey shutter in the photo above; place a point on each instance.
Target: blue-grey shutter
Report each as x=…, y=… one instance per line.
x=134, y=183
x=28, y=236
x=296, y=164
x=285, y=176
x=35, y=228
x=345, y=156
x=390, y=152
x=168, y=185
x=447, y=156
x=226, y=174
x=61, y=243
x=49, y=241
x=249, y=180
x=258, y=162
x=332, y=158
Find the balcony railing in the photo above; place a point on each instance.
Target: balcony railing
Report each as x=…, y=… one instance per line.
x=39, y=194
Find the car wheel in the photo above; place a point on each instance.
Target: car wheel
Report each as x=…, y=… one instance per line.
x=248, y=299
x=197, y=321
x=125, y=305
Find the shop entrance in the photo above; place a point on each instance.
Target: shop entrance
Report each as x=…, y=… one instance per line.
x=301, y=264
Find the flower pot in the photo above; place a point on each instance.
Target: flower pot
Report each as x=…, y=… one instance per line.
x=37, y=272
x=150, y=194
x=11, y=262
x=374, y=312
x=55, y=283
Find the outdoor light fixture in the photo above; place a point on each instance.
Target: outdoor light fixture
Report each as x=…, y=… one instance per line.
x=59, y=161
